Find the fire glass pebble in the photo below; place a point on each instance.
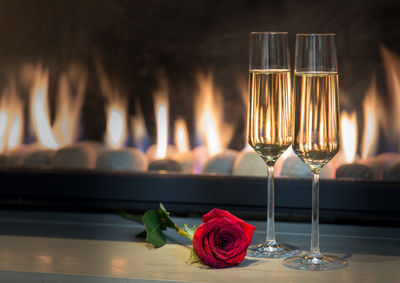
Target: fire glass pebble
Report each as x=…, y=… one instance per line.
x=81, y=156
x=168, y=165
x=354, y=171
x=39, y=158
x=249, y=164
x=221, y=163
x=129, y=159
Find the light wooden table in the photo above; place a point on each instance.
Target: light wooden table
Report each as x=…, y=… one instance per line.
x=72, y=247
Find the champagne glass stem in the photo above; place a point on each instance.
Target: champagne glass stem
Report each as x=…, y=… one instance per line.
x=315, y=216
x=270, y=207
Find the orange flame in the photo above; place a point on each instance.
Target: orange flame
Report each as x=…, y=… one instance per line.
x=15, y=133
x=115, y=109
x=138, y=127
x=40, y=109
x=209, y=109
x=181, y=136
x=3, y=129
x=392, y=70
x=349, y=136
x=65, y=128
x=69, y=105
x=371, y=110
x=116, y=124
x=11, y=119
x=161, y=109
x=244, y=94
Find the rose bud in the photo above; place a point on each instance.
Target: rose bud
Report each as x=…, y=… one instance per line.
x=222, y=240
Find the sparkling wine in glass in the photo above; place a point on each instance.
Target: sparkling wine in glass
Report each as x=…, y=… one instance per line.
x=316, y=132
x=270, y=127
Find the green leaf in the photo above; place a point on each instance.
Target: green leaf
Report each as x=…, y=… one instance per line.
x=153, y=228
x=193, y=257
x=165, y=218
x=190, y=231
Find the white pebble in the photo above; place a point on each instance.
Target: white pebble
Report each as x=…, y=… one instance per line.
x=167, y=165
x=97, y=146
x=80, y=155
x=249, y=163
x=186, y=160
x=18, y=155
x=294, y=167
x=39, y=158
x=381, y=163
x=129, y=159
x=221, y=163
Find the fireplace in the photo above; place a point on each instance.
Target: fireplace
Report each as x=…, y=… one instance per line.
x=121, y=105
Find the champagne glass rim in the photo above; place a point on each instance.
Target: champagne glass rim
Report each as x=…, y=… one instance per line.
x=269, y=32
x=316, y=34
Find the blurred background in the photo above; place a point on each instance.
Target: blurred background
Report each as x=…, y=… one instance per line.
x=133, y=49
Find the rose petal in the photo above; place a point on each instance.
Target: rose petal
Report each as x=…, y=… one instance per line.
x=238, y=238
x=197, y=241
x=210, y=258
x=222, y=240
x=219, y=213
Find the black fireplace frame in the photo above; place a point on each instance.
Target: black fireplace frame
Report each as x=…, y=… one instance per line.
x=354, y=201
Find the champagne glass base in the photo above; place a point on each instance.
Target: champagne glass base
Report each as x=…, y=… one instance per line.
x=315, y=262
x=271, y=250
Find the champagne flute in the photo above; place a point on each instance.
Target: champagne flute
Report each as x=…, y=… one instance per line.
x=270, y=128
x=316, y=132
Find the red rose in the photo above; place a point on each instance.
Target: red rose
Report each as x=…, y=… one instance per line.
x=222, y=240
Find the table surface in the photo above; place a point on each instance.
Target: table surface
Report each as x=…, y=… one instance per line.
x=78, y=247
